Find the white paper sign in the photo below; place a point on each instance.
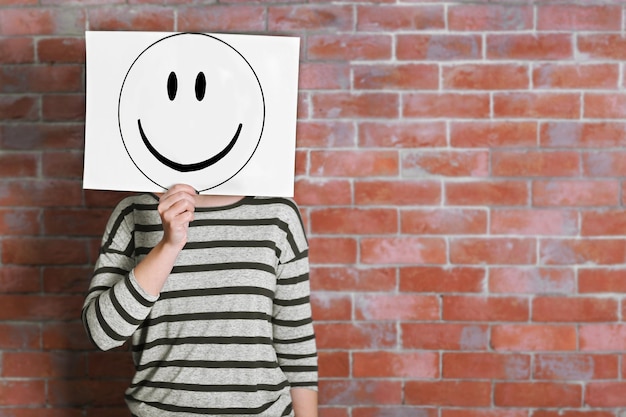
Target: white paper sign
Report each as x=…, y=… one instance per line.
x=215, y=111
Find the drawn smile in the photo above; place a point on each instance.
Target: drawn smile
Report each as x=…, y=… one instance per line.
x=197, y=166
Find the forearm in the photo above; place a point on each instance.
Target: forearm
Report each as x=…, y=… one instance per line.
x=304, y=402
x=152, y=272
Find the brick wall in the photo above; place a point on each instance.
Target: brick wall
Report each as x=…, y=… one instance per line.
x=460, y=171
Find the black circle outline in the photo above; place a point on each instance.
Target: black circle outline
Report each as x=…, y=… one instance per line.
x=124, y=82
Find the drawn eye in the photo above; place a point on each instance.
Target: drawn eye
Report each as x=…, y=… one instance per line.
x=172, y=85
x=200, y=86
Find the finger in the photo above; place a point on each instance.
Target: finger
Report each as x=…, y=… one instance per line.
x=174, y=198
x=180, y=188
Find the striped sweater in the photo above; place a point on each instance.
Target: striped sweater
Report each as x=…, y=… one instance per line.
x=231, y=331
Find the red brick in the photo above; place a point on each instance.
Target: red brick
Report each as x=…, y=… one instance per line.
x=448, y=393
x=493, y=193
x=602, y=46
x=431, y=105
x=34, y=307
x=103, y=392
x=537, y=105
x=583, y=76
x=466, y=163
x=480, y=308
x=20, y=336
x=385, y=364
x=606, y=394
x=41, y=21
x=41, y=251
x=444, y=336
x=332, y=411
x=43, y=365
x=333, y=364
x=354, y=221
x=43, y=136
x=504, y=251
x=438, y=47
x=148, y=18
x=582, y=251
x=605, y=105
x=347, y=47
x=374, y=307
x=583, y=135
x=221, y=17
x=399, y=18
x=312, y=17
x=301, y=163
x=14, y=165
x=303, y=104
x=575, y=193
x=484, y=412
x=360, y=392
x=70, y=50
x=352, y=279
x=575, y=367
x=402, y=135
x=19, y=221
x=323, y=76
x=572, y=413
x=600, y=280
x=394, y=411
x=41, y=79
x=356, y=335
x=485, y=77
x=17, y=50
x=610, y=163
x=66, y=165
x=535, y=163
x=533, y=337
x=75, y=222
x=346, y=105
x=331, y=306
x=602, y=337
x=19, y=279
x=18, y=107
x=67, y=279
x=448, y=221
x=309, y=192
x=538, y=47
x=603, y=223
x=579, y=17
x=403, y=250
x=401, y=193
x=531, y=280
x=533, y=222
x=483, y=365
x=396, y=77
x=537, y=394
x=354, y=163
x=441, y=279
x=22, y=392
x=563, y=309
x=66, y=107
x=327, y=134
x=492, y=17
x=65, y=336
x=332, y=250
x=485, y=134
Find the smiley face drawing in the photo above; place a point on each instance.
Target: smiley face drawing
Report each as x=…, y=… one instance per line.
x=191, y=110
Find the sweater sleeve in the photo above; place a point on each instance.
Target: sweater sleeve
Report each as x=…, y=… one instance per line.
x=115, y=304
x=294, y=337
